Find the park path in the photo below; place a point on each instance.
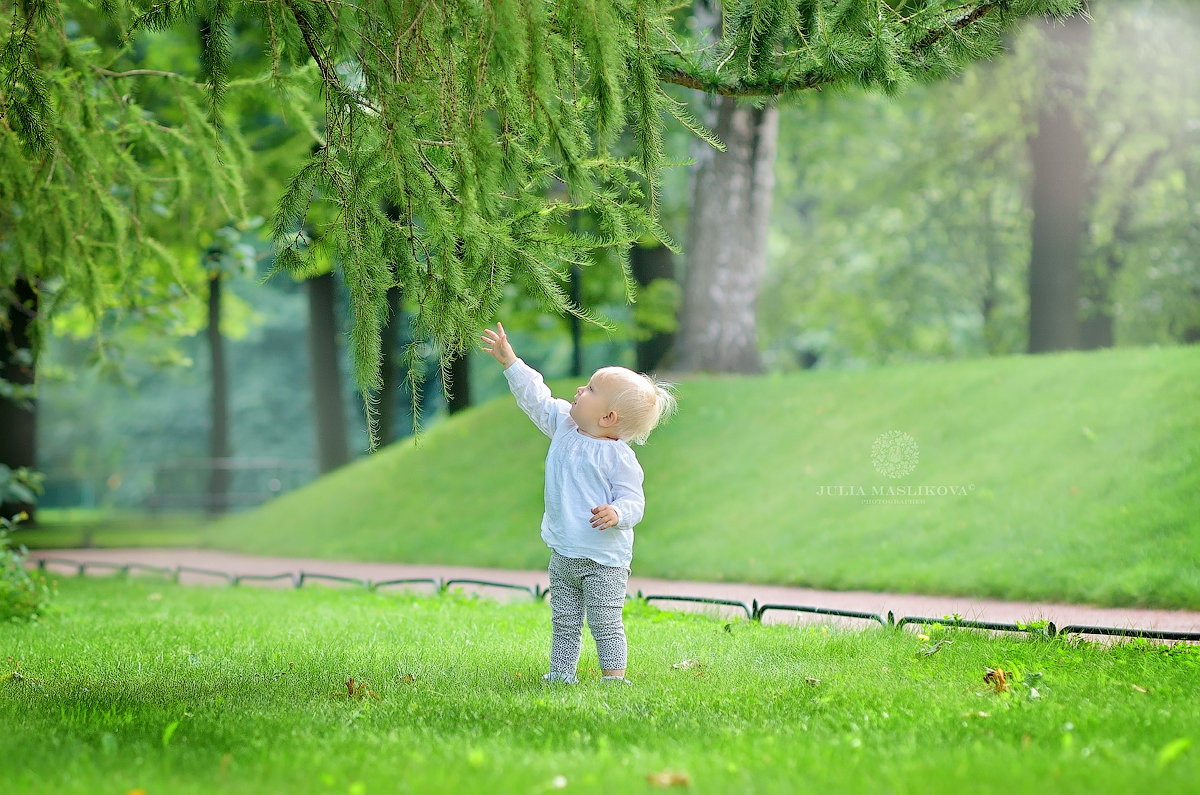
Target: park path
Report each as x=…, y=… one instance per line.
x=900, y=604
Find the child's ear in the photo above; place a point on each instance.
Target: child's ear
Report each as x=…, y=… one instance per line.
x=608, y=420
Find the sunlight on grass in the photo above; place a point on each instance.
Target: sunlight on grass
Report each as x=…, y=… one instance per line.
x=141, y=684
x=1076, y=478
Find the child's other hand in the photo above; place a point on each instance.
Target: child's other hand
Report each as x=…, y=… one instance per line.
x=496, y=343
x=604, y=517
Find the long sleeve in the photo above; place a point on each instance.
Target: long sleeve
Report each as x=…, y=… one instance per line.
x=627, y=496
x=534, y=398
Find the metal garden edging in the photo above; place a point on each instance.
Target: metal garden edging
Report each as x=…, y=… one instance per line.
x=753, y=611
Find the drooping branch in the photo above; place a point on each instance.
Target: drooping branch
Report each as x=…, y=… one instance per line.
x=314, y=46
x=673, y=73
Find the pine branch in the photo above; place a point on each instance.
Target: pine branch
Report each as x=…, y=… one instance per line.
x=314, y=46
x=935, y=35
x=671, y=72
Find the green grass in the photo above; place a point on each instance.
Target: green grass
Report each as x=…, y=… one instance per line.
x=132, y=683
x=1081, y=475
x=59, y=528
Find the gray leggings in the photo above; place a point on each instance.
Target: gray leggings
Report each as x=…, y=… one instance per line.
x=576, y=584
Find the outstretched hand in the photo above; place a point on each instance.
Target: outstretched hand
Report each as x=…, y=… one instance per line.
x=496, y=343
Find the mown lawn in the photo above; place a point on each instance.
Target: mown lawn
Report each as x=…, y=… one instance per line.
x=1068, y=477
x=136, y=683
x=101, y=527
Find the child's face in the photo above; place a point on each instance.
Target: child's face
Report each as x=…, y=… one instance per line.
x=591, y=409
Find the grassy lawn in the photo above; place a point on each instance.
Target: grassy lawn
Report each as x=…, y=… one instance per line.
x=59, y=528
x=1062, y=477
x=140, y=684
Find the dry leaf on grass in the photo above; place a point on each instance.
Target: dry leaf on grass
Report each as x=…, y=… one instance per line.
x=358, y=690
x=996, y=678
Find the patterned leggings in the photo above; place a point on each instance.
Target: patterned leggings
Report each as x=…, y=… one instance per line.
x=576, y=584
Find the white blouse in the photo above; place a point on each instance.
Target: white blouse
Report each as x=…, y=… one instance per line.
x=582, y=472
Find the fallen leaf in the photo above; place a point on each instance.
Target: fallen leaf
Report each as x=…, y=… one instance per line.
x=668, y=778
x=686, y=664
x=359, y=689
x=996, y=678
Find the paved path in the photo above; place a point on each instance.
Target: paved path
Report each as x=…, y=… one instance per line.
x=871, y=602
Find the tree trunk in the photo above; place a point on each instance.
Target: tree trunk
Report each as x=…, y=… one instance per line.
x=1096, y=325
x=18, y=417
x=218, y=480
x=727, y=241
x=389, y=392
x=649, y=264
x=459, y=388
x=1059, y=156
x=328, y=404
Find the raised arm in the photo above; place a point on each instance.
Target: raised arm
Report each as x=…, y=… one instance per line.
x=526, y=384
x=496, y=343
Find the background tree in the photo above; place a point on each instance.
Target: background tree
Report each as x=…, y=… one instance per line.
x=113, y=167
x=730, y=206
x=1059, y=157
x=905, y=226
x=18, y=427
x=463, y=115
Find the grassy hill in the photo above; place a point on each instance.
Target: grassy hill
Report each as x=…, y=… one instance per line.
x=1072, y=476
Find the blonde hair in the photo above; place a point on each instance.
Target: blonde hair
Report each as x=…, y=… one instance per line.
x=641, y=401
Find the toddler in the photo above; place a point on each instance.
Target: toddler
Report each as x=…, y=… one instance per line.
x=593, y=498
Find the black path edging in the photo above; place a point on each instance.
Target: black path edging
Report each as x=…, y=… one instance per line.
x=753, y=611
